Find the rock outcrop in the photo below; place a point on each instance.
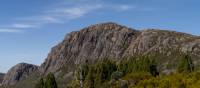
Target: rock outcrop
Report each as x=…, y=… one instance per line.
x=18, y=72
x=91, y=43
x=110, y=40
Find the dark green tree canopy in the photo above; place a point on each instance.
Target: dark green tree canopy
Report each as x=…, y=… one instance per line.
x=185, y=64
x=48, y=82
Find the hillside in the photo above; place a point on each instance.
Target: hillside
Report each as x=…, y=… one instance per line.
x=111, y=41
x=18, y=72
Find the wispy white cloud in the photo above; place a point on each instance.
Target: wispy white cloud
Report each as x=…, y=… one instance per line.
x=60, y=14
x=50, y=19
x=57, y=15
x=65, y=13
x=20, y=25
x=125, y=7
x=15, y=28
x=10, y=31
x=129, y=7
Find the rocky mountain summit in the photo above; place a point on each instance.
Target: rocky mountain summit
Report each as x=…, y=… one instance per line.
x=18, y=72
x=91, y=43
x=111, y=41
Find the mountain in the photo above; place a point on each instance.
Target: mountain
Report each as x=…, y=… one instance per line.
x=18, y=72
x=113, y=41
x=110, y=41
x=91, y=43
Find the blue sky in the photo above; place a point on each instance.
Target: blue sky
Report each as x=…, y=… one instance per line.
x=29, y=28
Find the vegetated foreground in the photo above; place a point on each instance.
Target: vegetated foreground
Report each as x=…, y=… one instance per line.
x=109, y=55
x=133, y=72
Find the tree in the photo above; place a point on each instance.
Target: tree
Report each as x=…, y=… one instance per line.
x=50, y=81
x=40, y=84
x=140, y=64
x=116, y=75
x=81, y=72
x=99, y=73
x=153, y=70
x=185, y=64
x=89, y=82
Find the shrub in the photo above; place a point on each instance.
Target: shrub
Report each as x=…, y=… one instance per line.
x=47, y=82
x=50, y=81
x=116, y=75
x=140, y=64
x=40, y=84
x=185, y=64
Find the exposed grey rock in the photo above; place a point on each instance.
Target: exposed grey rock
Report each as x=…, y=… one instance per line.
x=110, y=40
x=18, y=72
x=91, y=43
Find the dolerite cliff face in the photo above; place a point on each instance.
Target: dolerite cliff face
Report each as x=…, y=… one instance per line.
x=91, y=43
x=18, y=72
x=113, y=41
x=110, y=41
